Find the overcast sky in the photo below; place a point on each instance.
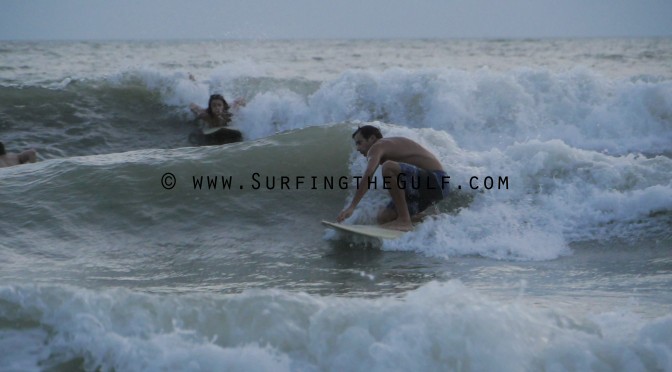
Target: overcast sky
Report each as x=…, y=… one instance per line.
x=340, y=19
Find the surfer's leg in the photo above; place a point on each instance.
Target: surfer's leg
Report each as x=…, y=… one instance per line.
x=429, y=193
x=387, y=214
x=432, y=210
x=391, y=171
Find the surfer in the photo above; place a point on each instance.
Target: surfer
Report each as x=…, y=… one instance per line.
x=217, y=118
x=414, y=177
x=216, y=115
x=8, y=160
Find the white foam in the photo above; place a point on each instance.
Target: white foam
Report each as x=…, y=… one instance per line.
x=484, y=109
x=555, y=194
x=481, y=109
x=438, y=326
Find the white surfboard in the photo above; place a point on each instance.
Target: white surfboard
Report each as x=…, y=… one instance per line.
x=208, y=131
x=366, y=230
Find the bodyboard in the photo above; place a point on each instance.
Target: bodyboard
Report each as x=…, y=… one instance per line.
x=366, y=230
x=215, y=136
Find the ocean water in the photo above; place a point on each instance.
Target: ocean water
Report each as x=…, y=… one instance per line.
x=553, y=252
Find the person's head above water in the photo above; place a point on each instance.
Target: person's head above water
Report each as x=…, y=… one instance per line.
x=2, y=149
x=365, y=137
x=217, y=105
x=368, y=131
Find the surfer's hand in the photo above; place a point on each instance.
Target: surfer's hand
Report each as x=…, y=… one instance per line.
x=238, y=102
x=196, y=109
x=344, y=214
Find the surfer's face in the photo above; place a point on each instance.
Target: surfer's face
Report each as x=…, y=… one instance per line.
x=362, y=144
x=217, y=107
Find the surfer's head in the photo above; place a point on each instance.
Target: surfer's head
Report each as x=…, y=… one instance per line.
x=2, y=149
x=365, y=137
x=217, y=105
x=368, y=131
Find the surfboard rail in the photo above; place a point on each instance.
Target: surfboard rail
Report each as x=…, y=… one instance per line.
x=366, y=230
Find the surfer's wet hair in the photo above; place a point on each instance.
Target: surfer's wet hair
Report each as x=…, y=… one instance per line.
x=2, y=149
x=367, y=131
x=217, y=97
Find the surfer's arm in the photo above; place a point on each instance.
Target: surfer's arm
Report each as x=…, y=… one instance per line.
x=197, y=110
x=28, y=156
x=238, y=103
x=374, y=157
